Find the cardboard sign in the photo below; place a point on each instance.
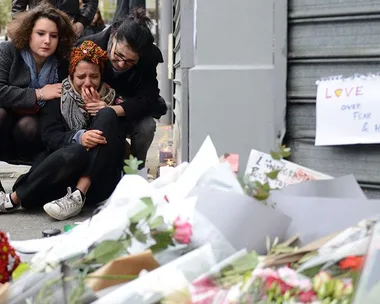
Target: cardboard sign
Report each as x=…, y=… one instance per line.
x=126, y=265
x=348, y=111
x=260, y=163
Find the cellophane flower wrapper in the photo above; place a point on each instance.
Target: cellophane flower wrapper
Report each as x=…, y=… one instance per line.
x=162, y=281
x=205, y=289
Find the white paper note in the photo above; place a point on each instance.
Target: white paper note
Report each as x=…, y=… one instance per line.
x=348, y=111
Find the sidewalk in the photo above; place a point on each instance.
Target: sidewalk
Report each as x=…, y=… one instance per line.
x=25, y=225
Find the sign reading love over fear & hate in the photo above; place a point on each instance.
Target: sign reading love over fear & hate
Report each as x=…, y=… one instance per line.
x=348, y=111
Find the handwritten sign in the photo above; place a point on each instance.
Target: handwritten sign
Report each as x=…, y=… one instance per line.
x=348, y=111
x=260, y=163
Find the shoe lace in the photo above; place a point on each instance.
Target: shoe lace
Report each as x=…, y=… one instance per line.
x=67, y=201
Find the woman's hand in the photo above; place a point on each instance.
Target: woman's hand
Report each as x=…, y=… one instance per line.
x=90, y=95
x=78, y=28
x=49, y=92
x=92, y=138
x=92, y=100
x=94, y=107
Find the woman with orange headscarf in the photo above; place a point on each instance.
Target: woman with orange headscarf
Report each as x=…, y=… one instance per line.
x=85, y=141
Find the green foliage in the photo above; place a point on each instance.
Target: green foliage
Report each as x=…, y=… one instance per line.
x=107, y=9
x=106, y=251
x=5, y=12
x=261, y=190
x=20, y=270
x=237, y=270
x=163, y=239
x=147, y=212
x=132, y=165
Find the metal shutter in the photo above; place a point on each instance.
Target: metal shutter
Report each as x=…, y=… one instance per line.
x=326, y=38
x=182, y=62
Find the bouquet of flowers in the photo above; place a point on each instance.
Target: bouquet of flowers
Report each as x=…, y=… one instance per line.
x=9, y=260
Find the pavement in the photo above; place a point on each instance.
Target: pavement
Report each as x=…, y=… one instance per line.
x=24, y=224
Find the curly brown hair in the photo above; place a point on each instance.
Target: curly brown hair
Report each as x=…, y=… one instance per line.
x=20, y=28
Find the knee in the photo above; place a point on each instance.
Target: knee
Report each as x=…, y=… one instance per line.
x=106, y=113
x=27, y=128
x=75, y=155
x=146, y=128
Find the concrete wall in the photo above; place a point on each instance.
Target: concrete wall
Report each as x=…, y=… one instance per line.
x=238, y=83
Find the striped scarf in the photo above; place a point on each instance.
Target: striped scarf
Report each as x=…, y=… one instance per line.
x=72, y=104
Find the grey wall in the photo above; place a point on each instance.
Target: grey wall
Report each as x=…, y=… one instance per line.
x=237, y=86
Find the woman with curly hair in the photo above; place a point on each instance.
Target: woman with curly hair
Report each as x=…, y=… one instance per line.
x=85, y=140
x=29, y=78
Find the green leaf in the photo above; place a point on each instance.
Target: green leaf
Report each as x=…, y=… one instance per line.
x=19, y=271
x=273, y=174
x=258, y=184
x=126, y=243
x=146, y=212
x=285, y=151
x=267, y=243
x=140, y=236
x=261, y=194
x=276, y=155
x=148, y=201
x=163, y=239
x=106, y=251
x=128, y=170
x=157, y=222
x=266, y=187
x=132, y=165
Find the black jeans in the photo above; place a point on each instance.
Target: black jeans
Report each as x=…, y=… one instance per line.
x=53, y=173
x=142, y=134
x=20, y=137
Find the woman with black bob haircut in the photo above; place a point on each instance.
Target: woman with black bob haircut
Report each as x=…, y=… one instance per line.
x=131, y=71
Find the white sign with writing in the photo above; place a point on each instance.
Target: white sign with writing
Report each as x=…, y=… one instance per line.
x=260, y=163
x=348, y=111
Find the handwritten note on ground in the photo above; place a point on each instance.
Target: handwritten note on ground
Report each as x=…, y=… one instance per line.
x=260, y=163
x=348, y=111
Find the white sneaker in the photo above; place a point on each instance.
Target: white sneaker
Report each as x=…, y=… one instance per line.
x=68, y=206
x=6, y=205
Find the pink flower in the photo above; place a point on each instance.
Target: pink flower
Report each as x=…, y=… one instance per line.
x=307, y=296
x=182, y=231
x=264, y=273
x=272, y=283
x=320, y=279
x=294, y=279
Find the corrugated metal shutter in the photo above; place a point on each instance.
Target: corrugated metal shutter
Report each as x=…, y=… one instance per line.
x=177, y=78
x=182, y=59
x=326, y=38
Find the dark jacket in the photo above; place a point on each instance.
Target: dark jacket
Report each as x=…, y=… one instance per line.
x=83, y=15
x=55, y=131
x=92, y=30
x=139, y=85
x=14, y=79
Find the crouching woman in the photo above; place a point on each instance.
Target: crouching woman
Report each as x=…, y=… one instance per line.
x=85, y=140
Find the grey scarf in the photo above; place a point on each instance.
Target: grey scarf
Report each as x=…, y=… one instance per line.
x=72, y=104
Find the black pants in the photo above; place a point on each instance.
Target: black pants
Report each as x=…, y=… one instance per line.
x=142, y=134
x=20, y=137
x=52, y=173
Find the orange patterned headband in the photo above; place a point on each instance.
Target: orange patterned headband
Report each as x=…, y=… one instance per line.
x=88, y=50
